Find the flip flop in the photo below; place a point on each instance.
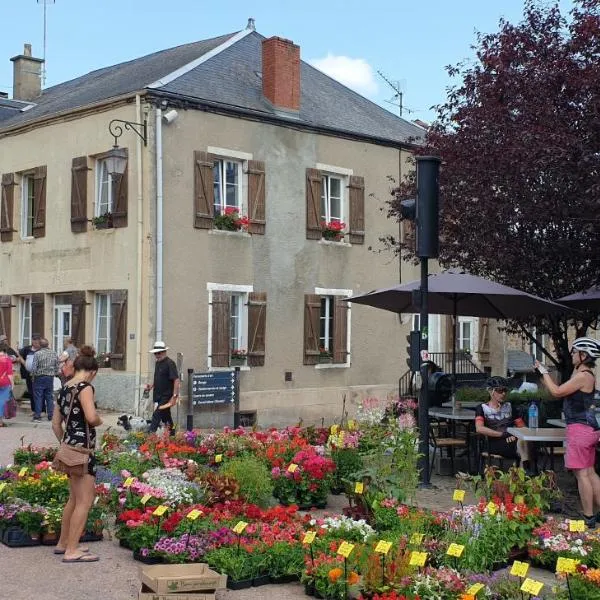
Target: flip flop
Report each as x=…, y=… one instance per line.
x=84, y=558
x=59, y=551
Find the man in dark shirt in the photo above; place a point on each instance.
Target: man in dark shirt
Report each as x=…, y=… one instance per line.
x=165, y=387
x=25, y=374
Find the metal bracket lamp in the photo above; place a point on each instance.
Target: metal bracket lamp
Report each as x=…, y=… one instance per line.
x=117, y=157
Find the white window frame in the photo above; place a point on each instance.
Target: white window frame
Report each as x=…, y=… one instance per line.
x=343, y=294
x=241, y=167
x=533, y=348
x=25, y=321
x=58, y=337
x=239, y=290
x=326, y=197
x=27, y=204
x=97, y=318
x=471, y=338
x=98, y=212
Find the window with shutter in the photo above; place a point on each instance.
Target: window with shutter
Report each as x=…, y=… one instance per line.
x=356, y=200
x=340, y=330
x=7, y=200
x=313, y=205
x=5, y=316
x=118, y=318
x=203, y=190
x=25, y=320
x=39, y=203
x=257, y=318
x=79, y=179
x=78, y=308
x=256, y=196
x=312, y=316
x=220, y=327
x=37, y=314
x=120, y=185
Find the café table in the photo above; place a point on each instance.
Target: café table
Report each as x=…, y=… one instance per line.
x=537, y=436
x=557, y=422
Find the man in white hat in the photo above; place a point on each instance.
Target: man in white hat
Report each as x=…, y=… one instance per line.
x=165, y=387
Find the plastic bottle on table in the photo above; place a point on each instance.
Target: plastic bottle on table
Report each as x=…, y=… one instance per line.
x=533, y=416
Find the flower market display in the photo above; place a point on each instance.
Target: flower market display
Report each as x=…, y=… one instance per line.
x=242, y=502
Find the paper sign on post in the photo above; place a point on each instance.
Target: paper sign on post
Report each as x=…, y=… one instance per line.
x=383, y=547
x=239, y=527
x=576, y=526
x=145, y=498
x=359, y=487
x=128, y=482
x=292, y=468
x=566, y=565
x=519, y=569
x=531, y=586
x=309, y=537
x=345, y=549
x=416, y=538
x=218, y=458
x=351, y=424
x=475, y=589
x=159, y=511
x=193, y=514
x=23, y=472
x=458, y=496
x=334, y=429
x=455, y=550
x=418, y=559
x=492, y=508
x=2, y=485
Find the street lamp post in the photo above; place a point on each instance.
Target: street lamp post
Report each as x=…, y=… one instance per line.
x=117, y=157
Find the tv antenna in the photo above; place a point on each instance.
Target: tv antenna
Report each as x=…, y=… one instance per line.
x=45, y=3
x=397, y=98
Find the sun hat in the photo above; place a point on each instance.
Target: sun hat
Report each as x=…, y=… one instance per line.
x=159, y=347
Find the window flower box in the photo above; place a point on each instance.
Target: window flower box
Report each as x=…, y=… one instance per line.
x=231, y=220
x=325, y=356
x=237, y=358
x=333, y=231
x=104, y=221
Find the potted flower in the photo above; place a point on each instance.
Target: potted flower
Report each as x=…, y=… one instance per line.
x=237, y=357
x=333, y=231
x=236, y=562
x=285, y=561
x=103, y=221
x=51, y=524
x=103, y=360
x=325, y=356
x=231, y=220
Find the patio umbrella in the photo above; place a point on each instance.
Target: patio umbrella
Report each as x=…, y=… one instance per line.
x=587, y=300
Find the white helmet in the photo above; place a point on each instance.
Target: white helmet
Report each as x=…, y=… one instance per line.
x=588, y=345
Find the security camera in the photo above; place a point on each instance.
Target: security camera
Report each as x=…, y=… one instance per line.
x=170, y=116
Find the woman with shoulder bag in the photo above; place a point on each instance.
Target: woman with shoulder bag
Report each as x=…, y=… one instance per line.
x=6, y=380
x=74, y=426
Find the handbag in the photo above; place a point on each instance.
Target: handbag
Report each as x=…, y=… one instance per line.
x=72, y=460
x=10, y=408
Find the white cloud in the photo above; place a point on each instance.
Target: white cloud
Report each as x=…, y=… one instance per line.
x=356, y=73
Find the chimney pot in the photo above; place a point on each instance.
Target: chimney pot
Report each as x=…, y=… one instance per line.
x=27, y=75
x=27, y=50
x=251, y=24
x=281, y=73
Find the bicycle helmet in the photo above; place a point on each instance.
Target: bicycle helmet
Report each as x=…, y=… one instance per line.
x=588, y=345
x=496, y=382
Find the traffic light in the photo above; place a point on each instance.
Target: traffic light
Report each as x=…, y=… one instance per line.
x=408, y=209
x=427, y=211
x=440, y=388
x=413, y=350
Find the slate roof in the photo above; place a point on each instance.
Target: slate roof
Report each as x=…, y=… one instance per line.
x=231, y=79
x=10, y=108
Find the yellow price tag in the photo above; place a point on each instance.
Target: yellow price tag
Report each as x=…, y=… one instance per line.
x=345, y=549
x=458, y=496
x=2, y=485
x=239, y=527
x=416, y=538
x=128, y=482
x=475, y=589
x=531, y=586
x=193, y=514
x=23, y=472
x=309, y=537
x=334, y=429
x=145, y=498
x=519, y=500
x=417, y=559
x=519, y=569
x=455, y=550
x=292, y=468
x=359, y=487
x=576, y=526
x=383, y=547
x=492, y=508
x=218, y=458
x=159, y=511
x=351, y=425
x=566, y=565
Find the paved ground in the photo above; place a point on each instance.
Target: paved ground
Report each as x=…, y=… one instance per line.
x=37, y=573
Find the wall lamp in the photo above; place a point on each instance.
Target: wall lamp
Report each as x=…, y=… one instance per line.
x=117, y=157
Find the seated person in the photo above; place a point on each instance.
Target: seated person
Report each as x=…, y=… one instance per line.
x=492, y=419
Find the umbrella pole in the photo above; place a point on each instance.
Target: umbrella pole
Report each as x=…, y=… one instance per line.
x=424, y=466
x=454, y=326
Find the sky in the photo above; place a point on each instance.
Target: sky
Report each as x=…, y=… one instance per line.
x=408, y=41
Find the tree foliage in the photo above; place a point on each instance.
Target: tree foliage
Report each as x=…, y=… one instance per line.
x=519, y=136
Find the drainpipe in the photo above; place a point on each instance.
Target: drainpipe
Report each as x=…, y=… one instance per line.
x=140, y=260
x=159, y=226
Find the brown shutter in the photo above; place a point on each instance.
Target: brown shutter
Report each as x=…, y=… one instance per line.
x=314, y=182
x=120, y=201
x=340, y=330
x=221, y=315
x=312, y=314
x=5, y=307
x=7, y=207
x=78, y=310
x=256, y=196
x=79, y=177
x=118, y=329
x=39, y=202
x=356, y=193
x=257, y=319
x=204, y=192
x=483, y=345
x=37, y=314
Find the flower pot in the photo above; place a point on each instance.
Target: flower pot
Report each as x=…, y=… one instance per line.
x=147, y=560
x=261, y=580
x=15, y=537
x=50, y=538
x=337, y=490
x=309, y=588
x=286, y=579
x=91, y=536
x=242, y=584
x=125, y=544
x=237, y=362
x=325, y=360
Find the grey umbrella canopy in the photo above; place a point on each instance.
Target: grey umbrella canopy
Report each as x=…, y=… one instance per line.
x=587, y=300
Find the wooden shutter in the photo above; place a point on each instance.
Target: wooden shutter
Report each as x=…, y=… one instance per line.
x=314, y=183
x=312, y=315
x=120, y=200
x=221, y=314
x=78, y=315
x=118, y=329
x=79, y=177
x=7, y=207
x=340, y=330
x=5, y=307
x=39, y=202
x=37, y=314
x=204, y=192
x=483, y=345
x=257, y=319
x=256, y=196
x=356, y=194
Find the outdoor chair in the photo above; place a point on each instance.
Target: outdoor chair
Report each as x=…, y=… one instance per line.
x=440, y=439
x=488, y=458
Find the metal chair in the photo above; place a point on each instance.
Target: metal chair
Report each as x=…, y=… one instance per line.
x=487, y=458
x=440, y=443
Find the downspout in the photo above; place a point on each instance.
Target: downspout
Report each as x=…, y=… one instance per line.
x=140, y=260
x=159, y=226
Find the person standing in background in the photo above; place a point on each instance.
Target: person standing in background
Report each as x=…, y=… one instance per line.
x=43, y=371
x=23, y=354
x=165, y=386
x=6, y=379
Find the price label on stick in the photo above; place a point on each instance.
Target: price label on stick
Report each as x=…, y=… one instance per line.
x=458, y=496
x=345, y=549
x=145, y=498
x=239, y=527
x=577, y=526
x=193, y=514
x=309, y=537
x=566, y=565
x=128, y=482
x=2, y=485
x=531, y=586
x=218, y=458
x=383, y=547
x=492, y=508
x=335, y=429
x=359, y=487
x=475, y=589
x=417, y=559
x=519, y=569
x=416, y=538
x=23, y=472
x=159, y=511
x=292, y=468
x=455, y=550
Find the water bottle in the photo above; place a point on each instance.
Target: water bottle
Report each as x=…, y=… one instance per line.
x=533, y=416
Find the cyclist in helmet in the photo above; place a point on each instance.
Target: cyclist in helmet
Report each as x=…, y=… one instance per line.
x=583, y=430
x=492, y=419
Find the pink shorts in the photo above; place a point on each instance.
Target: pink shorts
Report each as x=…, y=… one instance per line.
x=581, y=446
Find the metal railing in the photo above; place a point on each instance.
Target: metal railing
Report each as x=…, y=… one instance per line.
x=464, y=362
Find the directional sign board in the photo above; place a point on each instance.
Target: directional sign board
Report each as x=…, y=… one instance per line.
x=213, y=388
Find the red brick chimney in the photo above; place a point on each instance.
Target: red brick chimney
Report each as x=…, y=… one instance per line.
x=281, y=73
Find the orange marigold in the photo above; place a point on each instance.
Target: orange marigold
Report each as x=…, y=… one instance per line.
x=335, y=574
x=353, y=578
x=593, y=575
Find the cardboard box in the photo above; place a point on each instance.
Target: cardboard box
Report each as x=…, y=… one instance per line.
x=174, y=579
x=147, y=594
